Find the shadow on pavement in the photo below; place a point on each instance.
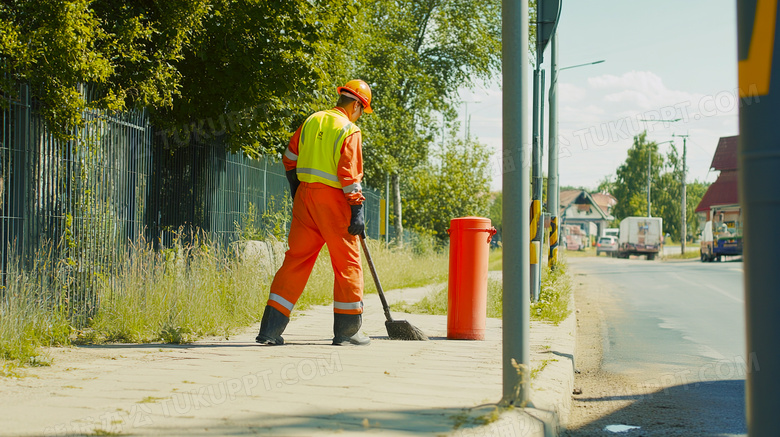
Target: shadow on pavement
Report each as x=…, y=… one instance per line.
x=434, y=421
x=714, y=408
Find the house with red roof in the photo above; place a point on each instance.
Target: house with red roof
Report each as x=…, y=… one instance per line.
x=721, y=201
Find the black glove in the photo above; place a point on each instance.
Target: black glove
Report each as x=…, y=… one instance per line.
x=292, y=178
x=356, y=224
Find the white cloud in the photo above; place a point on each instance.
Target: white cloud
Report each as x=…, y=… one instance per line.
x=640, y=90
x=571, y=93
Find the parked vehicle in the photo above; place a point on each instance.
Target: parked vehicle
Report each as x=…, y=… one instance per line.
x=612, y=232
x=718, y=240
x=608, y=245
x=574, y=237
x=640, y=236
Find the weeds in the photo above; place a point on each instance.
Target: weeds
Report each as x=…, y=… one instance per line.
x=174, y=295
x=553, y=304
x=554, y=296
x=31, y=315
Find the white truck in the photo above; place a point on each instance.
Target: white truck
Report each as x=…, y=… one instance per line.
x=640, y=236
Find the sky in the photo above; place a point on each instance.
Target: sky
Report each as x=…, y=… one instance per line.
x=663, y=60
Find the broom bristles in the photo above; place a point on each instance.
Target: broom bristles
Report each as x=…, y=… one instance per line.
x=403, y=330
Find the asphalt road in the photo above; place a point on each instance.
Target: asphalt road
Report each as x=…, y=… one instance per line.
x=679, y=327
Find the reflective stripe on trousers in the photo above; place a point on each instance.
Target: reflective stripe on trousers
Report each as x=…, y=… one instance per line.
x=321, y=216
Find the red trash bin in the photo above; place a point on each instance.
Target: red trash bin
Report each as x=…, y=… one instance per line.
x=467, y=292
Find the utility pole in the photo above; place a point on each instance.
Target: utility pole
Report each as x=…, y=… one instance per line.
x=467, y=117
x=759, y=197
x=684, y=209
x=552, y=159
x=536, y=174
x=648, y=158
x=649, y=154
x=548, y=14
x=516, y=312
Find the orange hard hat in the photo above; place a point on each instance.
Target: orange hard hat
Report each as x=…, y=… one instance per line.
x=360, y=90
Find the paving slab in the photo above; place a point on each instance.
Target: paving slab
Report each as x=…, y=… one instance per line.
x=232, y=386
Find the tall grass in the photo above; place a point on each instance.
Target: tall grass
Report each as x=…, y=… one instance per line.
x=32, y=313
x=552, y=306
x=178, y=294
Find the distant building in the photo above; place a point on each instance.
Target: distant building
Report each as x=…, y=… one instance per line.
x=722, y=197
x=590, y=212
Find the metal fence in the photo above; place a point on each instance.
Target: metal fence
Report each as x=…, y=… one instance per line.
x=86, y=200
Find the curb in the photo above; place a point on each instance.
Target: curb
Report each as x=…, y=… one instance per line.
x=550, y=391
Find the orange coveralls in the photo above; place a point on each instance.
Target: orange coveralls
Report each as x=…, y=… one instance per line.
x=321, y=215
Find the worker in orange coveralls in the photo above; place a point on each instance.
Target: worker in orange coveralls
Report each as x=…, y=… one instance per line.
x=324, y=165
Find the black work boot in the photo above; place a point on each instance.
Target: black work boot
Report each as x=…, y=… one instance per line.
x=346, y=330
x=272, y=326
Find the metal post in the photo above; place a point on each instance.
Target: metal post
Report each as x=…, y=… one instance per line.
x=649, y=172
x=387, y=210
x=759, y=194
x=552, y=163
x=536, y=204
x=684, y=212
x=516, y=277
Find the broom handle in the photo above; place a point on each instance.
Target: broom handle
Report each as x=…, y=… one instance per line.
x=376, y=277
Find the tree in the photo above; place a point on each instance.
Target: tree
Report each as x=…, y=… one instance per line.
x=496, y=212
x=453, y=183
x=695, y=192
x=259, y=68
x=606, y=185
x=127, y=50
x=630, y=186
x=251, y=69
x=416, y=55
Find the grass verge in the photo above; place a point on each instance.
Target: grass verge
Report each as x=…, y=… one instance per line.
x=553, y=304
x=176, y=295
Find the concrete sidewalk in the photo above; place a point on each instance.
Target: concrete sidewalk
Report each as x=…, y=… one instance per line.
x=233, y=386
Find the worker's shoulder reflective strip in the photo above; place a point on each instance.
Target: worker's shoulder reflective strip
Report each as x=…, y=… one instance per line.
x=290, y=155
x=341, y=137
x=348, y=305
x=281, y=301
x=320, y=173
x=354, y=188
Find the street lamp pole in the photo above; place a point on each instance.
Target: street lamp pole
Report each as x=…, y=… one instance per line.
x=649, y=172
x=468, y=120
x=648, y=158
x=684, y=206
x=553, y=186
x=582, y=65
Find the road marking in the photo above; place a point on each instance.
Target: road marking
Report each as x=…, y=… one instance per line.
x=723, y=292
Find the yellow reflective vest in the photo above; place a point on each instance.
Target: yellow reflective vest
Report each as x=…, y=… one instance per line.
x=319, y=147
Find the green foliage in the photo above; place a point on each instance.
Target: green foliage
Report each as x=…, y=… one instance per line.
x=33, y=313
x=194, y=63
x=554, y=295
x=259, y=68
x=553, y=304
x=416, y=55
x=496, y=211
x=631, y=182
x=178, y=295
x=129, y=50
x=274, y=222
x=455, y=183
x=175, y=295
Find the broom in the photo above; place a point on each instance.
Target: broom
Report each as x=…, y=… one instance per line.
x=396, y=329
